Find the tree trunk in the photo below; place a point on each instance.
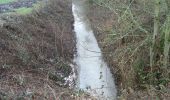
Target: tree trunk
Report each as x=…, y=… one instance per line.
x=155, y=34
x=168, y=4
x=167, y=40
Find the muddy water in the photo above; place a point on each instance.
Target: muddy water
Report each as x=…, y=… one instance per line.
x=94, y=75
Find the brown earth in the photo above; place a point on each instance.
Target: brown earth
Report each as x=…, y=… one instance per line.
x=36, y=51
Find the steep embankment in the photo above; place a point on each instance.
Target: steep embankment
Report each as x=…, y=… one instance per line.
x=36, y=52
x=123, y=39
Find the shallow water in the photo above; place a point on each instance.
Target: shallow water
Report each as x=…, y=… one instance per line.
x=94, y=75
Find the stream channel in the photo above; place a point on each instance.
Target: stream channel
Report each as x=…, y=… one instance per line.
x=94, y=75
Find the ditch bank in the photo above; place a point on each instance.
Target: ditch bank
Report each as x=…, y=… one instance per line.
x=36, y=53
x=125, y=46
x=116, y=54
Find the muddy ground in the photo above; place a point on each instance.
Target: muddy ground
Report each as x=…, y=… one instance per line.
x=36, y=53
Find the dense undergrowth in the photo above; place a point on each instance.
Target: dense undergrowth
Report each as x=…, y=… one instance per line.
x=125, y=29
x=36, y=52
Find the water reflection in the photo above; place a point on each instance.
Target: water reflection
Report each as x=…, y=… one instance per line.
x=94, y=75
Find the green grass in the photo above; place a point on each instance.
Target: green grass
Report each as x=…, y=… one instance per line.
x=23, y=10
x=6, y=1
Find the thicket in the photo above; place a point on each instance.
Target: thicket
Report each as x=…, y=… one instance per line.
x=139, y=42
x=36, y=51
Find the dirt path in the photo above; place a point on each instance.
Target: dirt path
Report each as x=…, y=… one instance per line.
x=9, y=7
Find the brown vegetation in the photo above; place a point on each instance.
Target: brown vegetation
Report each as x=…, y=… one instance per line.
x=36, y=51
x=123, y=29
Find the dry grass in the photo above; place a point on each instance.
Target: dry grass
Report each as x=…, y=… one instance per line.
x=125, y=46
x=34, y=51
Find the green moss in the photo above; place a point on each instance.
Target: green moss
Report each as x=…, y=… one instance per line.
x=6, y=1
